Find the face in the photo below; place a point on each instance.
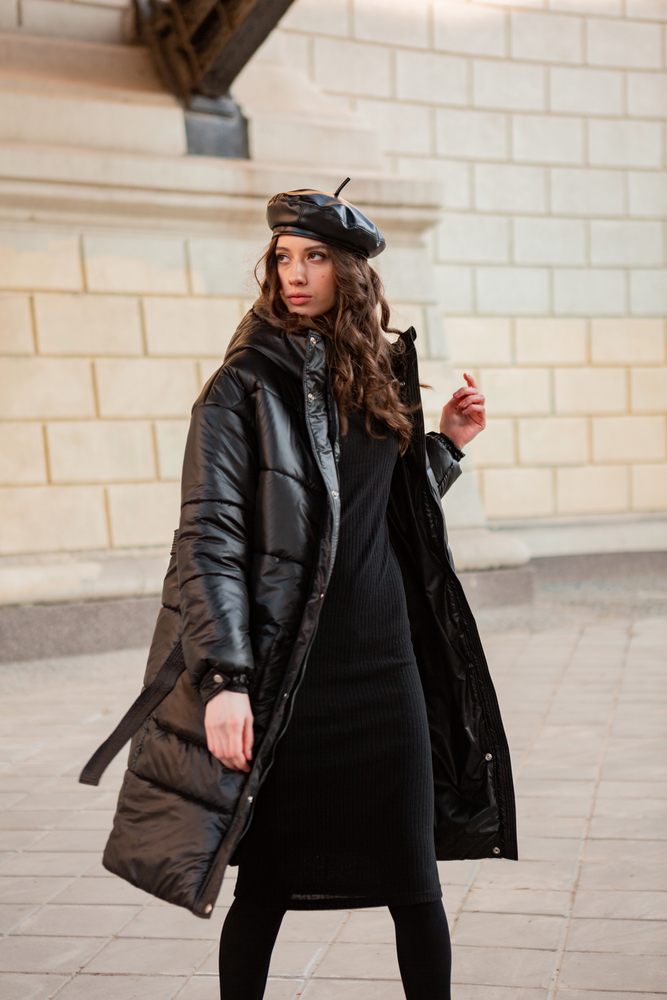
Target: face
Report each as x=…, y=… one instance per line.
x=307, y=280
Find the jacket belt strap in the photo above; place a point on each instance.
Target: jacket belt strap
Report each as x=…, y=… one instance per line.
x=146, y=703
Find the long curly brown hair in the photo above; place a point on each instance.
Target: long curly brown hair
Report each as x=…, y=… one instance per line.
x=359, y=355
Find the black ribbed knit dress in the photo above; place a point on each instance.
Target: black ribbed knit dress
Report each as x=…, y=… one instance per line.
x=345, y=816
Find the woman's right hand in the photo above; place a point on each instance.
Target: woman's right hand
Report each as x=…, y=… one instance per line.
x=228, y=721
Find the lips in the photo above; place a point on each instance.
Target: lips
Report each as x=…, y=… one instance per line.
x=298, y=300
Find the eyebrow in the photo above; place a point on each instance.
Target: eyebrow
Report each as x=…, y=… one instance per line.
x=313, y=246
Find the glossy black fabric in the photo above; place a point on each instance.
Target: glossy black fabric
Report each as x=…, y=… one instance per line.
x=345, y=817
x=255, y=551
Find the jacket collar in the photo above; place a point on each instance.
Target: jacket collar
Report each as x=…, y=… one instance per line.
x=288, y=350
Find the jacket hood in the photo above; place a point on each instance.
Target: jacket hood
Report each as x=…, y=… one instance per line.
x=287, y=350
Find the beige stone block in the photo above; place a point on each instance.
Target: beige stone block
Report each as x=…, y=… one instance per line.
x=647, y=94
x=587, y=192
x=590, y=390
x=550, y=341
x=331, y=18
x=206, y=367
x=546, y=37
x=589, y=291
x=52, y=519
x=9, y=15
x=516, y=391
x=455, y=287
x=129, y=263
x=46, y=387
x=626, y=243
x=469, y=29
x=190, y=327
x=647, y=10
x=100, y=451
x=547, y=139
x=402, y=128
x=146, y=387
x=88, y=325
x=507, y=187
x=518, y=492
x=624, y=44
x=611, y=7
x=471, y=134
x=494, y=446
x=475, y=340
x=586, y=91
x=465, y=237
x=392, y=22
x=592, y=490
x=513, y=291
x=627, y=341
x=649, y=487
x=617, y=439
x=22, y=458
x=648, y=390
x=348, y=67
x=144, y=513
x=553, y=441
x=452, y=174
x=83, y=22
x=549, y=241
x=15, y=325
x=431, y=77
x=171, y=436
x=507, y=85
x=225, y=267
x=648, y=291
x=618, y=143
x=33, y=259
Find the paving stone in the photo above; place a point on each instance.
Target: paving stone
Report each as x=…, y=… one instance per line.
x=20, y=986
x=71, y=841
x=77, y=921
x=174, y=922
x=633, y=905
x=313, y=925
x=627, y=828
x=46, y=954
x=548, y=849
x=39, y=863
x=530, y=930
x=101, y=891
x=30, y=890
x=363, y=926
x=650, y=851
x=488, y=899
x=629, y=937
x=359, y=961
x=568, y=827
x=12, y=913
x=638, y=973
x=84, y=987
x=20, y=819
x=524, y=967
x=351, y=989
x=91, y=819
x=623, y=875
x=588, y=995
x=131, y=956
x=527, y=874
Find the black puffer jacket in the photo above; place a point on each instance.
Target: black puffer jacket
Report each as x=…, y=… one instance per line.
x=249, y=570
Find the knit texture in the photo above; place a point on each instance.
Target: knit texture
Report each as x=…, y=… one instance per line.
x=345, y=816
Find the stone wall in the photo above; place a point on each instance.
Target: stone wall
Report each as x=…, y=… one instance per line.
x=545, y=129
x=545, y=122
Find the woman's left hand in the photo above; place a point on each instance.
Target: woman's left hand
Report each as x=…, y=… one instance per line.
x=464, y=416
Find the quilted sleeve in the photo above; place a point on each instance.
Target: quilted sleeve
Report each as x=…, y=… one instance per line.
x=219, y=486
x=444, y=458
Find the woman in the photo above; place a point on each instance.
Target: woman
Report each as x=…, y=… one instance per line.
x=312, y=535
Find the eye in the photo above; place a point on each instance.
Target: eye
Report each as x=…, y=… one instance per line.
x=281, y=257
x=317, y=255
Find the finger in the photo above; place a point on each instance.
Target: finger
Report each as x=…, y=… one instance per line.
x=466, y=390
x=472, y=397
x=248, y=739
x=235, y=763
x=470, y=380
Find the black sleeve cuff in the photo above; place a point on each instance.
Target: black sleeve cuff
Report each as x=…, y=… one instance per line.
x=455, y=452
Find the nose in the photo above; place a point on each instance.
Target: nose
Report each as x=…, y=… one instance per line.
x=297, y=274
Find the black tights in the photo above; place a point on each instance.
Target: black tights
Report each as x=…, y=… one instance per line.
x=250, y=931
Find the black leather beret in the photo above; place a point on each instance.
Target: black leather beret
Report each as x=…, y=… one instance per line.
x=324, y=217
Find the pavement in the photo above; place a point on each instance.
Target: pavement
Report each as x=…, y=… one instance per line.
x=582, y=915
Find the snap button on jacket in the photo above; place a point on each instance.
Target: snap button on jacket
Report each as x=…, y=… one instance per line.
x=250, y=565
